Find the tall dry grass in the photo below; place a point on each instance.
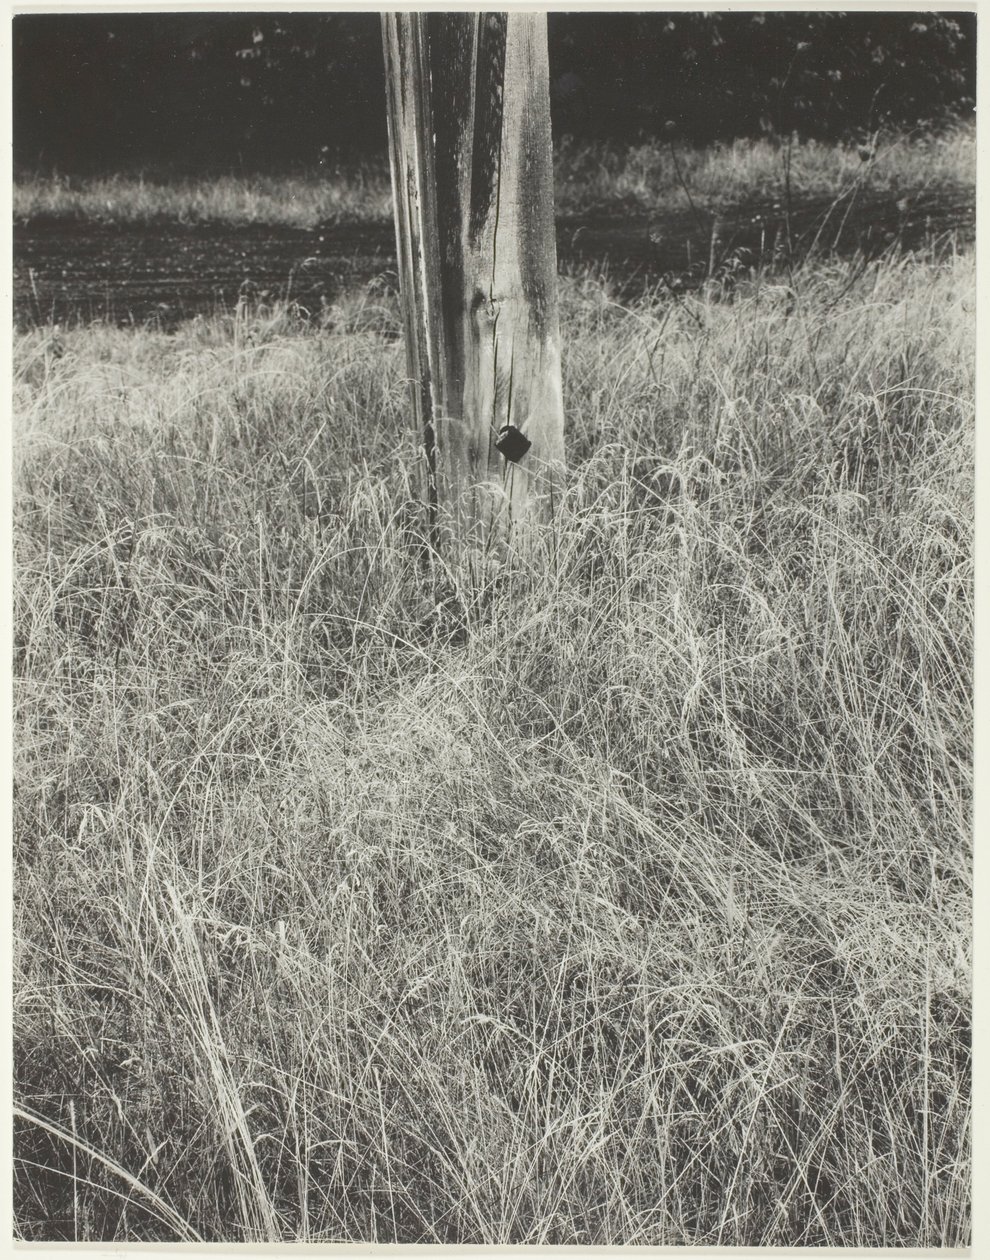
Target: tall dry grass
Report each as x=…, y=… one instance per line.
x=635, y=909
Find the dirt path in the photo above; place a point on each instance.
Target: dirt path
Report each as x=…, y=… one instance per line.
x=164, y=273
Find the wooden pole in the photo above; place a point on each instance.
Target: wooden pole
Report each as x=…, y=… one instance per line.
x=472, y=178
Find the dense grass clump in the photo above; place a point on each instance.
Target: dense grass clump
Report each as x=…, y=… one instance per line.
x=631, y=907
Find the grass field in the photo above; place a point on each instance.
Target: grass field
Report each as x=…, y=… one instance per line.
x=633, y=909
x=650, y=177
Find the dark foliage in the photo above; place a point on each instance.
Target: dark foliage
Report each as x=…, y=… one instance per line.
x=196, y=92
x=207, y=92
x=719, y=75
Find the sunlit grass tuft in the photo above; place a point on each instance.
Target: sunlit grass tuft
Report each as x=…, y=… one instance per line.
x=299, y=201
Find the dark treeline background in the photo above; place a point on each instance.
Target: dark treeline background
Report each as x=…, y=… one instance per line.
x=216, y=92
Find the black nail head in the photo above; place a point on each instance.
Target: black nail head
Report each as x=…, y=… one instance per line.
x=512, y=444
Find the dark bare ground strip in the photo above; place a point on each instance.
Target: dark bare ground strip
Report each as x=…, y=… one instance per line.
x=162, y=273
x=168, y=272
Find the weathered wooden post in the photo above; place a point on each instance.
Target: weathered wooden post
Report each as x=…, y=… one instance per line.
x=472, y=178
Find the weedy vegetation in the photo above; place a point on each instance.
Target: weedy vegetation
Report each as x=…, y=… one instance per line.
x=627, y=903
x=649, y=178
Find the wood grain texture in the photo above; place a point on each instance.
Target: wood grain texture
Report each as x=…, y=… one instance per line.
x=469, y=134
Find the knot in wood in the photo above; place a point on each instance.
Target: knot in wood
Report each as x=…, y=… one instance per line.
x=485, y=308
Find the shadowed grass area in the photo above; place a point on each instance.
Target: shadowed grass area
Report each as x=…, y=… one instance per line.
x=633, y=908
x=650, y=177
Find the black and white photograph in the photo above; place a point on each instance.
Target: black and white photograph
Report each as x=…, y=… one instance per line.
x=492, y=514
